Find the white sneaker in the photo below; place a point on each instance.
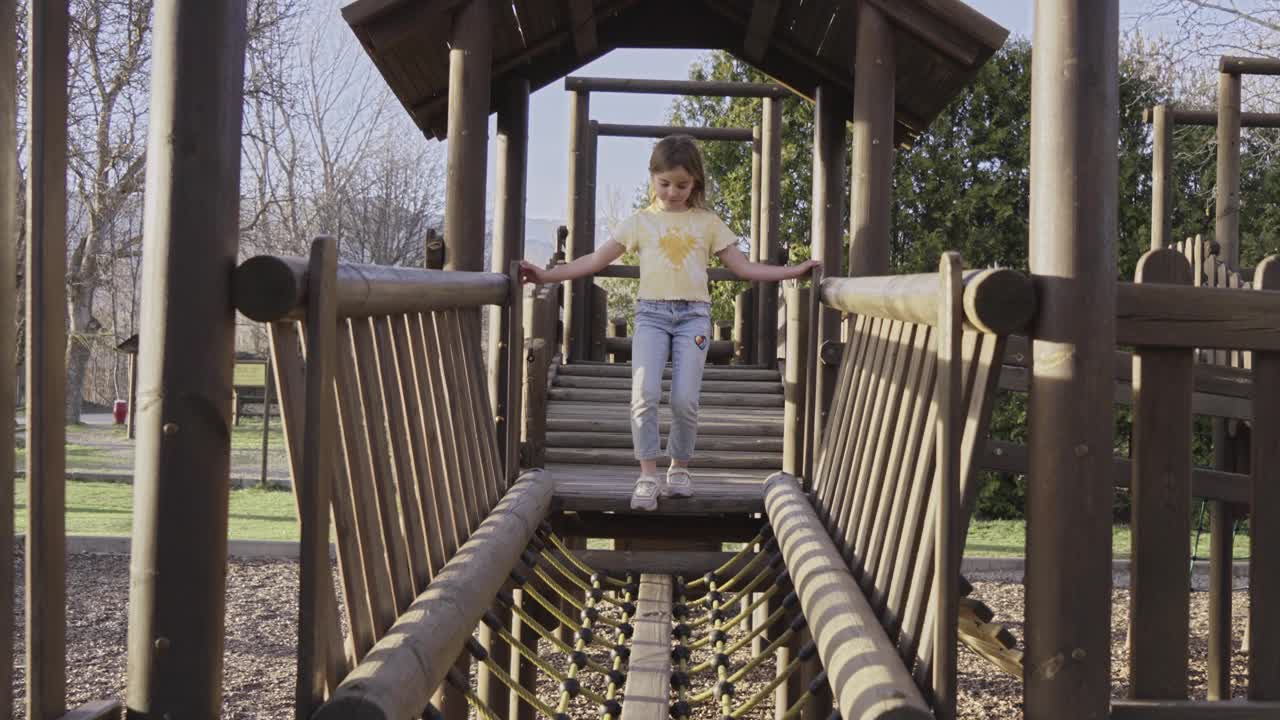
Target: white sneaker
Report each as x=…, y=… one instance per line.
x=679, y=483
x=646, y=492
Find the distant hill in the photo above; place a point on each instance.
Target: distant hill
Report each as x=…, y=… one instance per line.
x=540, y=238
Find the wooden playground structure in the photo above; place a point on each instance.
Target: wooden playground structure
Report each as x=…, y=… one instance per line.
x=460, y=491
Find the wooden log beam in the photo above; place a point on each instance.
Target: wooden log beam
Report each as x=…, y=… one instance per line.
x=1191, y=710
x=396, y=678
x=661, y=131
x=602, y=524
x=1074, y=129
x=710, y=88
x=470, y=72
x=267, y=288
x=1161, y=174
x=648, y=686
x=1210, y=317
x=866, y=672
x=1179, y=116
x=45, y=361
x=182, y=460
x=1248, y=65
x=999, y=301
x=1226, y=226
x=689, y=563
x=871, y=190
x=764, y=14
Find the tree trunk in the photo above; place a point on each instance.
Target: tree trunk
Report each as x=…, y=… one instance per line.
x=81, y=306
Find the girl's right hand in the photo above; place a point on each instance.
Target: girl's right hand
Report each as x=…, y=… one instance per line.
x=530, y=273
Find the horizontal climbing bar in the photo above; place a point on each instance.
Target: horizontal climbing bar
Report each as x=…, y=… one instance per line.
x=1158, y=315
x=869, y=677
x=661, y=131
x=719, y=350
x=632, y=272
x=398, y=676
x=1210, y=118
x=267, y=288
x=1249, y=65
x=710, y=88
x=995, y=301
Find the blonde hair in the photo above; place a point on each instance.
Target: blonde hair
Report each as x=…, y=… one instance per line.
x=680, y=151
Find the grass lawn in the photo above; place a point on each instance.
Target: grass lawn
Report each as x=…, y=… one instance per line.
x=105, y=447
x=104, y=508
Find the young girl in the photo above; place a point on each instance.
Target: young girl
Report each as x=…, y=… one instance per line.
x=675, y=237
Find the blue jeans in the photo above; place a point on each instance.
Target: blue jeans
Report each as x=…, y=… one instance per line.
x=681, y=329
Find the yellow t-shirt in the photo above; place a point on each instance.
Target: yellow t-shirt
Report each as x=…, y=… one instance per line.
x=675, y=249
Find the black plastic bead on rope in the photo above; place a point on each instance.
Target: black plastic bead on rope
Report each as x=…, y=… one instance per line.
x=544, y=527
x=597, y=594
x=628, y=609
x=679, y=709
x=530, y=558
x=766, y=531
x=617, y=677
x=611, y=707
x=538, y=543
x=791, y=600
x=679, y=653
x=770, y=546
x=504, y=599
x=718, y=614
x=621, y=652
x=776, y=560
x=715, y=596
x=571, y=686
x=491, y=620
x=518, y=577
x=562, y=716
x=585, y=635
x=719, y=635
x=477, y=650
x=589, y=614
x=596, y=578
x=626, y=629
x=679, y=680
x=709, y=578
x=720, y=660
x=809, y=650
x=681, y=631
x=679, y=611
x=798, y=623
x=724, y=688
x=784, y=577
x=579, y=659
x=818, y=682
x=679, y=586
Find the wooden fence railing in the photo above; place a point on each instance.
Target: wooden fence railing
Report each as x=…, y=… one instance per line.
x=894, y=480
x=389, y=432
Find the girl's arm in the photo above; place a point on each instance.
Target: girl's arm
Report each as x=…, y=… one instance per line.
x=739, y=265
x=580, y=267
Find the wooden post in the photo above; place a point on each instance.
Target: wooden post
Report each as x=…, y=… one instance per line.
x=433, y=250
x=872, y=173
x=267, y=390
x=752, y=316
x=1161, y=174
x=534, y=426
x=598, y=321
x=508, y=247
x=575, y=299
x=1160, y=606
x=183, y=455
x=618, y=329
x=744, y=313
x=950, y=429
x=1074, y=129
x=132, y=429
x=8, y=334
x=1264, y=517
x=793, y=383
x=597, y=298
x=46, y=345
x=770, y=233
x=830, y=165
x=470, y=64
x=724, y=332
x=1226, y=226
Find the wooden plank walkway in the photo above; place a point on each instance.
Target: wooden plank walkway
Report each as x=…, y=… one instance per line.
x=589, y=449
x=648, y=688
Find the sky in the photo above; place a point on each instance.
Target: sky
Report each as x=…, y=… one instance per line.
x=623, y=162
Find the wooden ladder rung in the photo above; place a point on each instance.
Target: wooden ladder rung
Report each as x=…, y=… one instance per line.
x=649, y=672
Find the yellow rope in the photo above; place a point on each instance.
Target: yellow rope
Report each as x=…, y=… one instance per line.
x=748, y=548
x=559, y=545
x=765, y=691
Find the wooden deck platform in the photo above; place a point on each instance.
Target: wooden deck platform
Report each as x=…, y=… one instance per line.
x=589, y=449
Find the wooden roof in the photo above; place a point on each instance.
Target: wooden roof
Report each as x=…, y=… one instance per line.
x=940, y=44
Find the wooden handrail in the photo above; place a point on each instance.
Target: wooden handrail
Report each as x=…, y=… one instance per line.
x=1197, y=317
x=267, y=288
x=998, y=301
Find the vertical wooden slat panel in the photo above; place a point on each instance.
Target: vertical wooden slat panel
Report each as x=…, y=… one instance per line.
x=407, y=468
x=486, y=423
x=356, y=428
x=313, y=486
x=445, y=475
x=8, y=334
x=1264, y=518
x=862, y=379
x=514, y=406
x=874, y=471
x=1159, y=603
x=895, y=490
x=866, y=390
x=286, y=356
x=391, y=522
x=457, y=397
x=842, y=399
x=351, y=571
x=445, y=525
x=45, y=565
